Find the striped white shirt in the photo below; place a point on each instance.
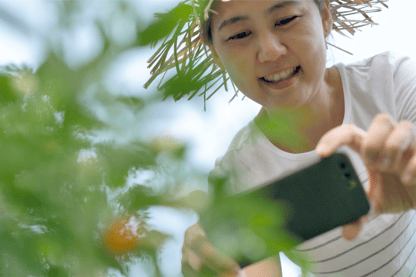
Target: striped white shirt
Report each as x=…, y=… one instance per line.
x=385, y=83
x=385, y=247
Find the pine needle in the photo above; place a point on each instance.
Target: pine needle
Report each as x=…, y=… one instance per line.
x=340, y=49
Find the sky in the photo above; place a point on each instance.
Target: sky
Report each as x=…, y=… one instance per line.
x=209, y=133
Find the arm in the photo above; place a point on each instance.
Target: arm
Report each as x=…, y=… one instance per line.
x=270, y=267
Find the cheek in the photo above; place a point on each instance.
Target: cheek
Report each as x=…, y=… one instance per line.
x=239, y=68
x=310, y=47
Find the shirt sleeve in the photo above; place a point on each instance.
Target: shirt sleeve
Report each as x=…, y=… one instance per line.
x=404, y=81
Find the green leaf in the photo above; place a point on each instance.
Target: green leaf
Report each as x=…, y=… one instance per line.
x=121, y=159
x=134, y=103
x=138, y=198
x=7, y=92
x=164, y=25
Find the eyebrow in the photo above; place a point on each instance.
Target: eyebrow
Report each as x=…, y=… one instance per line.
x=275, y=7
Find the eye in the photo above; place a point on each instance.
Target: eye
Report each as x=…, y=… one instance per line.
x=286, y=21
x=239, y=36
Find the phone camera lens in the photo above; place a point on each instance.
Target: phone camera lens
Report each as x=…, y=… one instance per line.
x=342, y=165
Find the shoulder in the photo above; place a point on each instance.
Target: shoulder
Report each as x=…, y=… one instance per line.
x=387, y=73
x=383, y=83
x=387, y=57
x=241, y=140
x=244, y=137
x=394, y=71
x=248, y=149
x=225, y=165
x=384, y=62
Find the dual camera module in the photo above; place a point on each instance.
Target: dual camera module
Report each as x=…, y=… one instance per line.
x=347, y=176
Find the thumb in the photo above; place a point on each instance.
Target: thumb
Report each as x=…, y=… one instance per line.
x=375, y=190
x=352, y=230
x=372, y=180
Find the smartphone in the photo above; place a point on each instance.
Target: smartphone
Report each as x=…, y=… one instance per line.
x=303, y=205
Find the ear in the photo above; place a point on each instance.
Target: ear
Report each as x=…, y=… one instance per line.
x=217, y=59
x=327, y=19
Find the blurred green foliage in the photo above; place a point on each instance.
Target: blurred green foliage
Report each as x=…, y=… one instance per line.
x=247, y=226
x=278, y=126
x=165, y=24
x=55, y=179
x=53, y=197
x=57, y=182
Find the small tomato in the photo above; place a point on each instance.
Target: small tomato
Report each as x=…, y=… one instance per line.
x=121, y=237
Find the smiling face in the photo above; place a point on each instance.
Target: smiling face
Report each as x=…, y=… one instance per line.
x=274, y=51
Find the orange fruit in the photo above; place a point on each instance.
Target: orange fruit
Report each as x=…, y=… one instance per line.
x=121, y=237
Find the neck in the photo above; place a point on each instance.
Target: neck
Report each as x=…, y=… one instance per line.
x=298, y=130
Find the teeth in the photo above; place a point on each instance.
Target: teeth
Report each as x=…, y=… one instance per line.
x=282, y=75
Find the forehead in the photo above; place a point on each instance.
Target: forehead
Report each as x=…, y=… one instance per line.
x=229, y=8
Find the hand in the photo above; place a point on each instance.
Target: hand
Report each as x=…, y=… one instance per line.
x=201, y=258
x=389, y=152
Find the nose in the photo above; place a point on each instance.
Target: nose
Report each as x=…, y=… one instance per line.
x=270, y=48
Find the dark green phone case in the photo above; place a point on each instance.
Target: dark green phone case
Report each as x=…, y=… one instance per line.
x=312, y=201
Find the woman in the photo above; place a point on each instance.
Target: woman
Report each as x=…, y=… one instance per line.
x=275, y=53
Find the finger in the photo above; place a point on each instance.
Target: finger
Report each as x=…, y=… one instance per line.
x=374, y=140
x=219, y=261
x=408, y=176
x=206, y=271
x=376, y=192
x=192, y=266
x=213, y=258
x=351, y=230
x=401, y=139
x=372, y=179
x=365, y=218
x=397, y=197
x=234, y=274
x=193, y=232
x=191, y=258
x=188, y=271
x=342, y=135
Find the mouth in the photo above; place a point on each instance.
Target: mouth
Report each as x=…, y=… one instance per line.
x=277, y=78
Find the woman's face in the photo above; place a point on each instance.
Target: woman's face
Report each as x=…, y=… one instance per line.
x=274, y=51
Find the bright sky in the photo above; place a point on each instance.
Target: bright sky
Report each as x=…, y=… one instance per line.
x=209, y=132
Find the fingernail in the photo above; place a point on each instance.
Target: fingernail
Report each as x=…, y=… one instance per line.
x=319, y=149
x=322, y=151
x=385, y=163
